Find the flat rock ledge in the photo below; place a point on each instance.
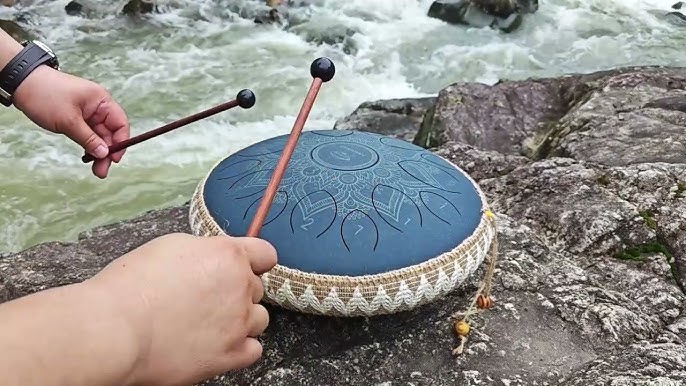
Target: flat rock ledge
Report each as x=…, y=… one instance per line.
x=587, y=177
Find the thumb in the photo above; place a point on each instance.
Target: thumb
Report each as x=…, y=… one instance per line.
x=91, y=142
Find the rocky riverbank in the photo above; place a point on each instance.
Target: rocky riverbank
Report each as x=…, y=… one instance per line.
x=587, y=175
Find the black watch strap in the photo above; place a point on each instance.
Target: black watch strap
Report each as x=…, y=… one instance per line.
x=30, y=57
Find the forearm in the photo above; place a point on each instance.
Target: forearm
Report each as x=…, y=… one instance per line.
x=64, y=336
x=8, y=48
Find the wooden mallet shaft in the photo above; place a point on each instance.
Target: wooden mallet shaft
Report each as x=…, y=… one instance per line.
x=322, y=70
x=245, y=99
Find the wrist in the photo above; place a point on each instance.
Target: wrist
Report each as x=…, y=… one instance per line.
x=32, y=56
x=27, y=90
x=74, y=335
x=129, y=336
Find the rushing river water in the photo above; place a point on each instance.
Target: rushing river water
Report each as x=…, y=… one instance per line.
x=199, y=55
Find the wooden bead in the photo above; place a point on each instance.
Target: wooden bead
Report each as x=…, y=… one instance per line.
x=484, y=302
x=461, y=328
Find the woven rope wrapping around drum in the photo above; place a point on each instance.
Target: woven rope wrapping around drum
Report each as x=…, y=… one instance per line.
x=389, y=292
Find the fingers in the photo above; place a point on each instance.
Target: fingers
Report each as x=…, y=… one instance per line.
x=260, y=253
x=88, y=139
x=247, y=354
x=93, y=144
x=120, y=135
x=95, y=141
x=110, y=120
x=111, y=125
x=101, y=166
x=259, y=320
x=118, y=124
x=257, y=289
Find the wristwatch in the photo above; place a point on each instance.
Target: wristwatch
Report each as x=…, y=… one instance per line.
x=31, y=56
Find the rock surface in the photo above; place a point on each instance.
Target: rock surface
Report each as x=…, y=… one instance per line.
x=589, y=117
x=502, y=117
x=589, y=285
x=15, y=30
x=399, y=118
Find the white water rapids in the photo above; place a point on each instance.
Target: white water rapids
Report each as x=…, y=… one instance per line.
x=200, y=54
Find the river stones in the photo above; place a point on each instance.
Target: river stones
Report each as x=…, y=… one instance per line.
x=505, y=15
x=137, y=7
x=74, y=8
x=676, y=18
x=497, y=8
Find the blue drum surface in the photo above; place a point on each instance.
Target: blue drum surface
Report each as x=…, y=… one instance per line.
x=350, y=203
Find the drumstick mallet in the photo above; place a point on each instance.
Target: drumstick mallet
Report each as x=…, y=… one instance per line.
x=245, y=99
x=322, y=70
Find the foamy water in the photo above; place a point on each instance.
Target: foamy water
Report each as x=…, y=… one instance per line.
x=200, y=54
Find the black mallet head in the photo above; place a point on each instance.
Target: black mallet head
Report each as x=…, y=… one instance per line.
x=245, y=98
x=323, y=69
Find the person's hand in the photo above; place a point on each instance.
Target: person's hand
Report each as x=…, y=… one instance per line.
x=78, y=108
x=192, y=303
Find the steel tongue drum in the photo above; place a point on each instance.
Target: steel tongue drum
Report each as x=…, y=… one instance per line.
x=364, y=224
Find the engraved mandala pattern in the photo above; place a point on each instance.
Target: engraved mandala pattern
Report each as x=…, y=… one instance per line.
x=370, y=196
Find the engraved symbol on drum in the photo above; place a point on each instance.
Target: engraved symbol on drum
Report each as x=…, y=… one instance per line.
x=352, y=227
x=446, y=212
x=308, y=223
x=395, y=207
x=340, y=155
x=344, y=156
x=314, y=213
x=431, y=175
